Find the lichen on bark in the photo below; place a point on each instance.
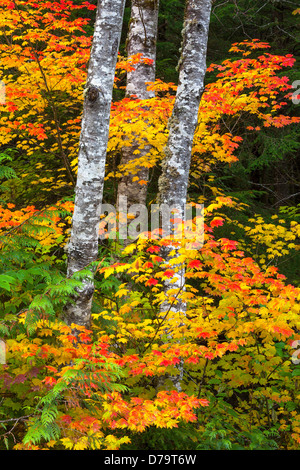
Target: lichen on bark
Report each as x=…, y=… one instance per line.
x=173, y=182
x=142, y=38
x=83, y=244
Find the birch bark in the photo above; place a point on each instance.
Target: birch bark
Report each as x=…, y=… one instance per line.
x=142, y=38
x=173, y=183
x=83, y=244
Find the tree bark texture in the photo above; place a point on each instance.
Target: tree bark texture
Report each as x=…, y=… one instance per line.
x=83, y=244
x=142, y=38
x=173, y=183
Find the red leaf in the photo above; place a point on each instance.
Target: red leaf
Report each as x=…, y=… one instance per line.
x=195, y=263
x=148, y=264
x=169, y=273
x=153, y=249
x=151, y=282
x=217, y=222
x=50, y=381
x=66, y=419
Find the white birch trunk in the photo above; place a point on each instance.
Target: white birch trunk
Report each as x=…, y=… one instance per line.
x=83, y=244
x=173, y=183
x=142, y=38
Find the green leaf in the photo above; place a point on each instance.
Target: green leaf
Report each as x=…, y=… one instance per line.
x=6, y=281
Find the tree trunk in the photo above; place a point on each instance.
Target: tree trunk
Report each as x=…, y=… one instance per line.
x=83, y=244
x=142, y=38
x=173, y=183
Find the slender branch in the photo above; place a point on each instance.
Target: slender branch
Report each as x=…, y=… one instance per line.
x=164, y=318
x=16, y=419
x=50, y=100
x=202, y=378
x=56, y=120
x=285, y=198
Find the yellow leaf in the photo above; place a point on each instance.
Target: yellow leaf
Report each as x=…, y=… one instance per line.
x=81, y=444
x=67, y=443
x=108, y=272
x=121, y=292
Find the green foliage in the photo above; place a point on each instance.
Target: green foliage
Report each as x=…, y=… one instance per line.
x=5, y=171
x=183, y=437
x=43, y=426
x=221, y=435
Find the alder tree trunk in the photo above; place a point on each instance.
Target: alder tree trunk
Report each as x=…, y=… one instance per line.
x=173, y=183
x=83, y=244
x=142, y=38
